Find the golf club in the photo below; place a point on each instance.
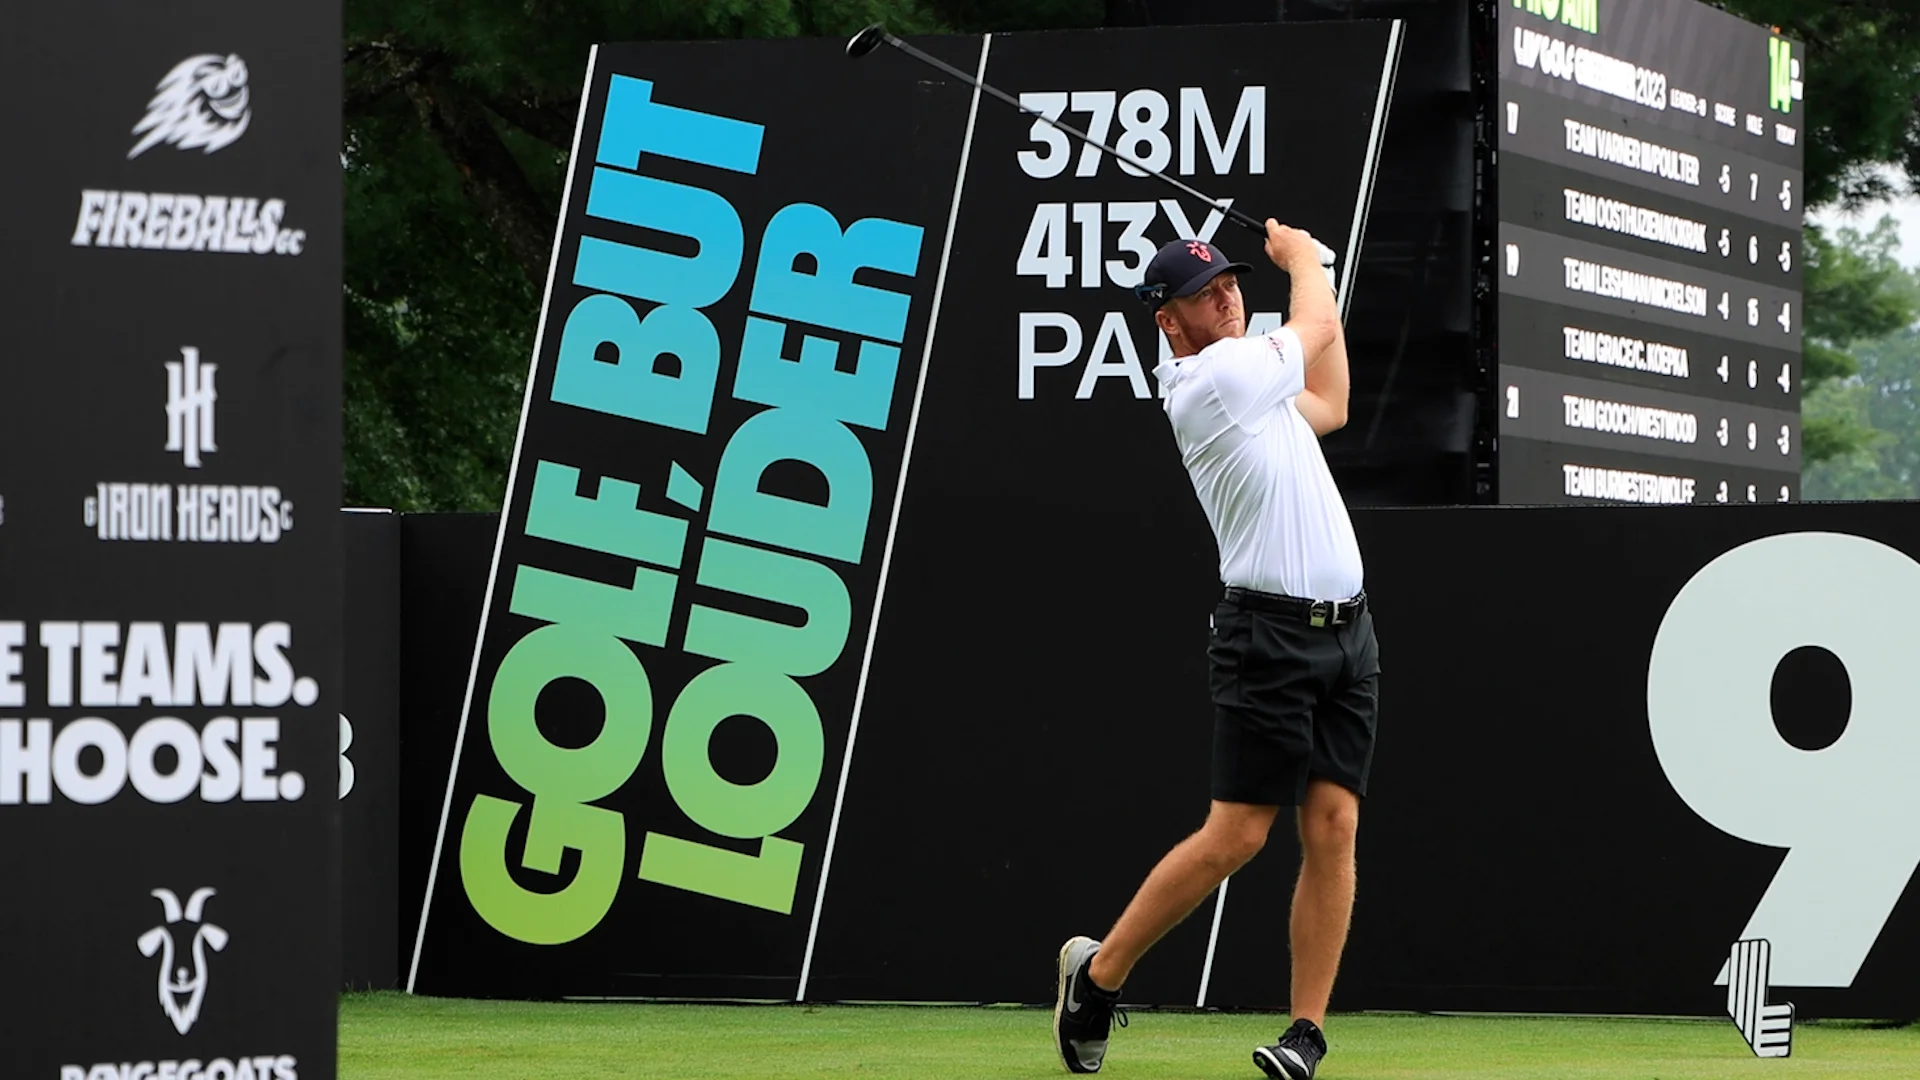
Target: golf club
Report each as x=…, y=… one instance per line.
x=872, y=37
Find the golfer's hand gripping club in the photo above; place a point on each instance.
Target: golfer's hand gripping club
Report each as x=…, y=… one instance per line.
x=1289, y=247
x=876, y=35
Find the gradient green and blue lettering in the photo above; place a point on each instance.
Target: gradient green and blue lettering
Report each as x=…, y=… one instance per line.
x=754, y=544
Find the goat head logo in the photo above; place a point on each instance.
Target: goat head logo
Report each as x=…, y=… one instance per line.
x=182, y=988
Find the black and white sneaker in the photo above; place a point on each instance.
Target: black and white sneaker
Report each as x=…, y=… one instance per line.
x=1083, y=1013
x=1296, y=1055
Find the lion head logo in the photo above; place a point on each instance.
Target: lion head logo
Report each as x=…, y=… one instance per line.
x=202, y=104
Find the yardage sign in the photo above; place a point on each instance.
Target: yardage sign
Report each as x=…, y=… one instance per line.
x=738, y=341
x=1090, y=223
x=1067, y=243
x=1650, y=223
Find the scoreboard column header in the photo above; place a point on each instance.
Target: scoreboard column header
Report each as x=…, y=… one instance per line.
x=1678, y=64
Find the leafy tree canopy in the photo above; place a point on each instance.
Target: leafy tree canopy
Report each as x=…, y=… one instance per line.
x=458, y=120
x=1855, y=291
x=1862, y=75
x=459, y=117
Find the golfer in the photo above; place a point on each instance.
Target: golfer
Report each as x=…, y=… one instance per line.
x=1294, y=669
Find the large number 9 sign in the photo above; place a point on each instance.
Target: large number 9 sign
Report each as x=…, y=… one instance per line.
x=1849, y=814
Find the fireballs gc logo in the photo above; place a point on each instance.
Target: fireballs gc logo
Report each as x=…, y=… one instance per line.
x=205, y=103
x=202, y=104
x=182, y=988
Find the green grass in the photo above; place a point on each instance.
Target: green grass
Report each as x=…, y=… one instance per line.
x=395, y=1037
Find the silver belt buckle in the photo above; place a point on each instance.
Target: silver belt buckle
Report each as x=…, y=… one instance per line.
x=1322, y=613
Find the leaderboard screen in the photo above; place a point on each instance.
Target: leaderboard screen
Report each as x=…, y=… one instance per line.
x=1649, y=178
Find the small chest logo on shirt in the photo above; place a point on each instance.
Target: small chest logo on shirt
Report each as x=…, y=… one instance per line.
x=1199, y=251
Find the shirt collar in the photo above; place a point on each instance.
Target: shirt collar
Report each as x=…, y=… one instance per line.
x=1169, y=374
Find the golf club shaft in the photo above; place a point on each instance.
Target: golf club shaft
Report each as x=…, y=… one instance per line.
x=1239, y=217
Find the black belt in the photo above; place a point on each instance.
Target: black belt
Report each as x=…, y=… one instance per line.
x=1311, y=612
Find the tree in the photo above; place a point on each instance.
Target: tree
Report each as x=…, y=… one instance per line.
x=1862, y=74
x=1854, y=291
x=458, y=121
x=1877, y=397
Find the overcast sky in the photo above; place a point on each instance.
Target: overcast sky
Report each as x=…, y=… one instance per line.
x=1906, y=210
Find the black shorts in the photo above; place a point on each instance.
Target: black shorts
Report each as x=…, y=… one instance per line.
x=1291, y=701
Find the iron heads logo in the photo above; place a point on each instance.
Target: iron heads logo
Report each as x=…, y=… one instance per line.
x=200, y=513
x=183, y=988
x=202, y=104
x=190, y=398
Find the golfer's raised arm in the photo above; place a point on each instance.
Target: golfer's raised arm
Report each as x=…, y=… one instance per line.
x=1314, y=315
x=1324, y=401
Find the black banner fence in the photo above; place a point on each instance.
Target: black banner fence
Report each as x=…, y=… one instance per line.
x=1546, y=833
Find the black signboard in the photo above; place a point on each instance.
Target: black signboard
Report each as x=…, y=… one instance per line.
x=765, y=307
x=169, y=552
x=1650, y=192
x=700, y=503
x=1617, y=740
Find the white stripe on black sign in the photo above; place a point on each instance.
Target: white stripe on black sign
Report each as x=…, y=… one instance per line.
x=1768, y=1029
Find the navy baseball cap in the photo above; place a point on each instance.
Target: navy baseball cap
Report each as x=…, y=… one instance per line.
x=1180, y=268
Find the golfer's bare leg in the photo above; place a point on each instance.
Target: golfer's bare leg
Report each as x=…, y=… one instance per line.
x=1323, y=897
x=1234, y=833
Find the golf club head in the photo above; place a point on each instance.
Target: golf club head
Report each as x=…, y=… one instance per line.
x=866, y=41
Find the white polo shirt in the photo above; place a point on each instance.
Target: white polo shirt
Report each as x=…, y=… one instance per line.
x=1256, y=465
